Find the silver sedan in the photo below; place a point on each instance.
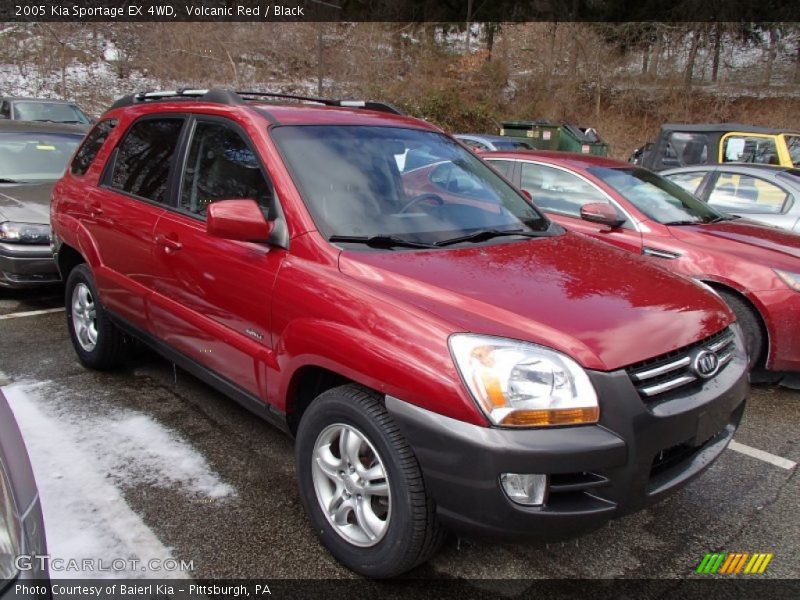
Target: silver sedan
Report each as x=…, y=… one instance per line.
x=764, y=193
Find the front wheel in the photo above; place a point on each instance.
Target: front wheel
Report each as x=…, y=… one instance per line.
x=362, y=487
x=750, y=323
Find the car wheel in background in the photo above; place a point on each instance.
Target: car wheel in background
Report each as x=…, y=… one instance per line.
x=751, y=327
x=97, y=341
x=361, y=485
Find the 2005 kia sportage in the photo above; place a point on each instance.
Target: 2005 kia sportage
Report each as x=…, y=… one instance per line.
x=446, y=356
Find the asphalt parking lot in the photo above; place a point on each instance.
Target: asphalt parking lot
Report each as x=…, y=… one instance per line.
x=241, y=517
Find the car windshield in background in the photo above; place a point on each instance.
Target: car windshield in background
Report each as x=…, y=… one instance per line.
x=793, y=143
x=656, y=197
x=401, y=185
x=33, y=157
x=52, y=112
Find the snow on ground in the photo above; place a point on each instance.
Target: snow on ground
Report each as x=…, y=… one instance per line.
x=82, y=463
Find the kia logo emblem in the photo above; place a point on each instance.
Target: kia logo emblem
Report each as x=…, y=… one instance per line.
x=706, y=364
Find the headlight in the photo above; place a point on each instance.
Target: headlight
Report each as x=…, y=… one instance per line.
x=9, y=531
x=24, y=233
x=524, y=385
x=790, y=279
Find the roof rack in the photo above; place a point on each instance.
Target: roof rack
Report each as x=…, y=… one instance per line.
x=221, y=96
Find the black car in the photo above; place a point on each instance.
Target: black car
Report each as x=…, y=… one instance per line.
x=32, y=157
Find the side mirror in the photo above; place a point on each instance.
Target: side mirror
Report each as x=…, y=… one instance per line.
x=527, y=194
x=239, y=220
x=602, y=213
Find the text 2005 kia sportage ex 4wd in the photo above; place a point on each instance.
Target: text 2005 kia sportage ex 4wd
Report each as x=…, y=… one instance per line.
x=446, y=356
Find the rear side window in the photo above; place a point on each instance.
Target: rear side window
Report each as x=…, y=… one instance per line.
x=746, y=194
x=91, y=146
x=144, y=156
x=750, y=149
x=685, y=149
x=504, y=166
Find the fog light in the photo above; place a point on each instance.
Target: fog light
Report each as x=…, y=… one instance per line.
x=527, y=489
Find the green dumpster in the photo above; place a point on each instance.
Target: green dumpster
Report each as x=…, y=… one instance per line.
x=583, y=140
x=541, y=134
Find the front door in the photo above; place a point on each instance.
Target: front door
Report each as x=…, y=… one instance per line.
x=212, y=296
x=561, y=193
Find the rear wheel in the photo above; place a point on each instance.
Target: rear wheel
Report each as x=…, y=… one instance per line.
x=98, y=343
x=362, y=487
x=750, y=323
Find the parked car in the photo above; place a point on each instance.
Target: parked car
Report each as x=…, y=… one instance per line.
x=42, y=109
x=755, y=268
x=762, y=193
x=444, y=354
x=490, y=143
x=21, y=525
x=681, y=145
x=32, y=157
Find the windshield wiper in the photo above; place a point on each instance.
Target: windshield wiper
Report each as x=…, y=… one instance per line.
x=687, y=222
x=487, y=234
x=7, y=180
x=379, y=241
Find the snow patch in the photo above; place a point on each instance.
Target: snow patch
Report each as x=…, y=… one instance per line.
x=82, y=463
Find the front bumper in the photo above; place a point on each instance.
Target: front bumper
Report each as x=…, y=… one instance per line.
x=26, y=266
x=636, y=455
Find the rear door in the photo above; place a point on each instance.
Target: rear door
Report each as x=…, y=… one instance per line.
x=212, y=296
x=753, y=197
x=124, y=210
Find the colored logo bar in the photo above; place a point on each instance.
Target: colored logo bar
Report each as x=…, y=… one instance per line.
x=731, y=563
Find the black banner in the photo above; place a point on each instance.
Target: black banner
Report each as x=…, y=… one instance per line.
x=712, y=587
x=400, y=10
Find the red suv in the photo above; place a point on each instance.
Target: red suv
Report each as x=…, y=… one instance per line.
x=754, y=267
x=446, y=356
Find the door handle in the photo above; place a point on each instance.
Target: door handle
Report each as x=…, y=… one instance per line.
x=169, y=244
x=95, y=210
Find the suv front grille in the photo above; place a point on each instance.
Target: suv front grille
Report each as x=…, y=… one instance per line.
x=674, y=370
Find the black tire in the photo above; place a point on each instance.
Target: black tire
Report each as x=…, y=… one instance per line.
x=413, y=533
x=750, y=322
x=110, y=349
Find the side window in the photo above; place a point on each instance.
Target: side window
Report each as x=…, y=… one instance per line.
x=685, y=149
x=141, y=167
x=750, y=149
x=558, y=191
x=745, y=194
x=5, y=110
x=504, y=166
x=688, y=181
x=221, y=166
x=91, y=146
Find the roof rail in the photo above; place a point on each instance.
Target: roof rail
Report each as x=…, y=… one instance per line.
x=221, y=96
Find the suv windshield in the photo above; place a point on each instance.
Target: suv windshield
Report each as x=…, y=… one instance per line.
x=55, y=112
x=657, y=197
x=401, y=185
x=29, y=157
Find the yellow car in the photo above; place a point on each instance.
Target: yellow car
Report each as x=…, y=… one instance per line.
x=681, y=145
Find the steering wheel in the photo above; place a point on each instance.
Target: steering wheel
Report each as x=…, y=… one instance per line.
x=435, y=198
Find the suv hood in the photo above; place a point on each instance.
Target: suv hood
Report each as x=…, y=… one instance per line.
x=604, y=307
x=26, y=203
x=745, y=239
